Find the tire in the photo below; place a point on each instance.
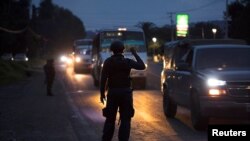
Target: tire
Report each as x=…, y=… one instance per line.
x=139, y=83
x=199, y=122
x=143, y=84
x=169, y=105
x=76, y=70
x=96, y=83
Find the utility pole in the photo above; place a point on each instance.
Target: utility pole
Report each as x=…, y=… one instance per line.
x=202, y=33
x=171, y=24
x=226, y=20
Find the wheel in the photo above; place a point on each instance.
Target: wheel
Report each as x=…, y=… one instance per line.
x=199, y=122
x=169, y=105
x=96, y=82
x=139, y=83
x=143, y=83
x=76, y=70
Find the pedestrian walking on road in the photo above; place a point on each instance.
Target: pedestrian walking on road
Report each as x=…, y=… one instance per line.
x=49, y=71
x=115, y=77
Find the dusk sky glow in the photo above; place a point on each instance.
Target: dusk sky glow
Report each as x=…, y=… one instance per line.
x=97, y=14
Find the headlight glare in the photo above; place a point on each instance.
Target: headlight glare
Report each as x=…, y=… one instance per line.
x=215, y=82
x=63, y=58
x=78, y=59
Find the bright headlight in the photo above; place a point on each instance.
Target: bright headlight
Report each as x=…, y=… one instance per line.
x=63, y=58
x=78, y=59
x=69, y=61
x=212, y=82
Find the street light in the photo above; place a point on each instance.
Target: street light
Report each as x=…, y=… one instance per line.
x=214, y=30
x=154, y=39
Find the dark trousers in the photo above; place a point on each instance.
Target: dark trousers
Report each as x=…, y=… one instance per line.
x=49, y=87
x=118, y=99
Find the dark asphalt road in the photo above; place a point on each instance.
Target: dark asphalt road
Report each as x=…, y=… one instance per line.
x=27, y=114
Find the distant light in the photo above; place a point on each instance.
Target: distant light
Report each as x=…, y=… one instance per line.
x=214, y=30
x=63, y=58
x=154, y=39
x=122, y=29
x=119, y=34
x=69, y=61
x=78, y=59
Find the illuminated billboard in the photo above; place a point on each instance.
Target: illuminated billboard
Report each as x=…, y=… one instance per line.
x=182, y=25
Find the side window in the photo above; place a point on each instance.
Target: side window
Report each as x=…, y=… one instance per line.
x=168, y=53
x=188, y=57
x=175, y=57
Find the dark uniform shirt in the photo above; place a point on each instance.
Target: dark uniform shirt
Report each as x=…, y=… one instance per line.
x=116, y=71
x=49, y=72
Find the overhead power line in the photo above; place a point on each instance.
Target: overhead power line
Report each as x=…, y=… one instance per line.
x=14, y=31
x=27, y=28
x=198, y=8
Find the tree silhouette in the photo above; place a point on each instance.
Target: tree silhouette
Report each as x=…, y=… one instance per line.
x=240, y=20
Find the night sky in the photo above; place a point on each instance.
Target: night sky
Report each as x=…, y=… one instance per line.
x=97, y=14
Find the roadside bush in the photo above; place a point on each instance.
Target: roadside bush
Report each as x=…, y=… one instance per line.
x=12, y=71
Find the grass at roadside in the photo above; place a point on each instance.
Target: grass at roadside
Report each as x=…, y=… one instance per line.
x=12, y=71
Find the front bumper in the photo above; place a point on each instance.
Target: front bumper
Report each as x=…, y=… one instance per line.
x=225, y=108
x=83, y=67
x=138, y=73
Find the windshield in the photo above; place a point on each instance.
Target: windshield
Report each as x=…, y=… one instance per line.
x=83, y=46
x=83, y=42
x=129, y=38
x=83, y=51
x=223, y=58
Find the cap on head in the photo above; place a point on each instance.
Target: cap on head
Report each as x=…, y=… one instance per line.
x=117, y=47
x=50, y=61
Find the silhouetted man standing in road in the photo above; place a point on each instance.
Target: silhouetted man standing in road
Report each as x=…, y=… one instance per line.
x=115, y=77
x=49, y=71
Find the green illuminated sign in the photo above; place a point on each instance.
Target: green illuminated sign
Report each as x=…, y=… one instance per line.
x=182, y=25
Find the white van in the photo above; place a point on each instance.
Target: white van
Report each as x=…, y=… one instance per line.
x=131, y=38
x=83, y=56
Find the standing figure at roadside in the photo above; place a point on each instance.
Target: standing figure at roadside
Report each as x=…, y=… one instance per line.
x=49, y=71
x=115, y=77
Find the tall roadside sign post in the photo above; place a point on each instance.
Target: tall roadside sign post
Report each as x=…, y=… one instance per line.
x=182, y=25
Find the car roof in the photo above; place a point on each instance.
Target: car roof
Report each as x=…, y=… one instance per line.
x=7, y=54
x=214, y=41
x=18, y=54
x=193, y=42
x=221, y=46
x=117, y=29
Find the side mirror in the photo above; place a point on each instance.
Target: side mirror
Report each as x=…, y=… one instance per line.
x=182, y=66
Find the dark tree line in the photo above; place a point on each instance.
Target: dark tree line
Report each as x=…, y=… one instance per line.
x=164, y=34
x=239, y=20
x=14, y=18
x=47, y=28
